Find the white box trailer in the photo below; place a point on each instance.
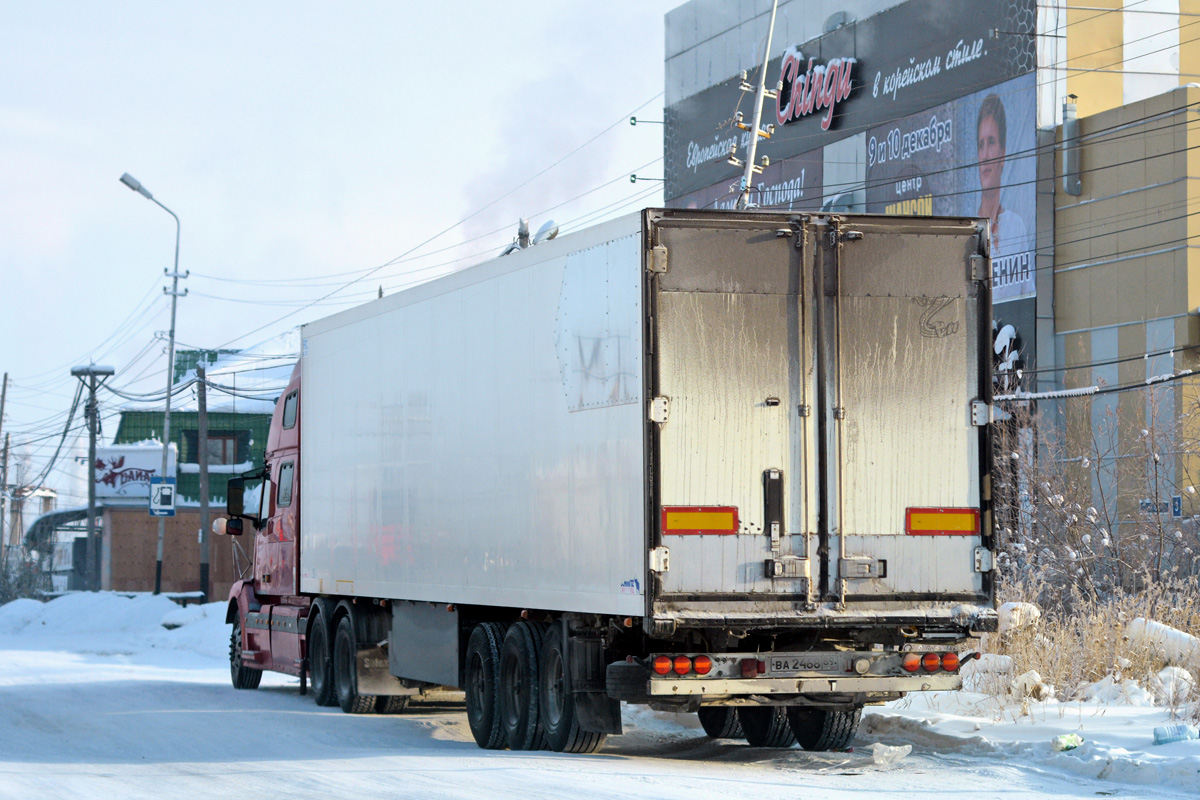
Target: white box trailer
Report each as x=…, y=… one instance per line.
x=510, y=435
x=754, y=441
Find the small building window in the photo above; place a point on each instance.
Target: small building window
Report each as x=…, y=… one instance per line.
x=284, y=497
x=222, y=449
x=289, y=409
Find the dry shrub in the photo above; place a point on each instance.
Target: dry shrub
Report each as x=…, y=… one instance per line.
x=1083, y=640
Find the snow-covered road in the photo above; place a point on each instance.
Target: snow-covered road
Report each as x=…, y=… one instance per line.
x=97, y=700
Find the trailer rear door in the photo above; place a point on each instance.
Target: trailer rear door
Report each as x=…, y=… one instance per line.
x=904, y=319
x=733, y=377
x=812, y=435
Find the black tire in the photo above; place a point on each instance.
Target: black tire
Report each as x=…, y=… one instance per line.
x=243, y=677
x=766, y=726
x=320, y=665
x=345, y=671
x=391, y=703
x=520, y=663
x=824, y=729
x=481, y=681
x=720, y=722
x=556, y=706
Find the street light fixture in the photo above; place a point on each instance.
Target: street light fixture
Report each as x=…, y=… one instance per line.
x=175, y=294
x=91, y=372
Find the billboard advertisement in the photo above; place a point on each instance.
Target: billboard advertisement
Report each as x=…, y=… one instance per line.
x=794, y=184
x=907, y=58
x=126, y=470
x=974, y=156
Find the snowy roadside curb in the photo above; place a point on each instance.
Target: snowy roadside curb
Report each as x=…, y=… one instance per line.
x=1118, y=740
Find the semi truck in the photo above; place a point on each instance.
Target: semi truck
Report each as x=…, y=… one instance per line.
x=727, y=463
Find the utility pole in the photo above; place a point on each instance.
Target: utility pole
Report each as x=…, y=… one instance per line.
x=175, y=294
x=3, y=472
x=743, y=201
x=92, y=372
x=3, y=501
x=202, y=441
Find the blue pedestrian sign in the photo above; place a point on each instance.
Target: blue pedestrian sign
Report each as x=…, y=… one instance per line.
x=162, y=497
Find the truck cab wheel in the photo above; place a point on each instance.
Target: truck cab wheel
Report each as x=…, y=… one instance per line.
x=345, y=676
x=481, y=685
x=320, y=670
x=720, y=722
x=766, y=726
x=556, y=705
x=243, y=677
x=520, y=660
x=822, y=728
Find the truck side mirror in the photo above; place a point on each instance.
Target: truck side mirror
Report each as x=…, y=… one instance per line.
x=234, y=526
x=234, y=494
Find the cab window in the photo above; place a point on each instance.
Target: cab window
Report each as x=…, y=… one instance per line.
x=284, y=497
x=289, y=409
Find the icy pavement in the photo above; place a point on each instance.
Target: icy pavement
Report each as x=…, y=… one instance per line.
x=99, y=700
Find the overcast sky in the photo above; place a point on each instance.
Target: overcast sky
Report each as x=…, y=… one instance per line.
x=297, y=141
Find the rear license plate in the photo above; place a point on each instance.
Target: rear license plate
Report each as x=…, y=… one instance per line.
x=791, y=663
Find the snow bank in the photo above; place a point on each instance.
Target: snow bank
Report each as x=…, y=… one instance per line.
x=86, y=622
x=1173, y=645
x=1014, y=616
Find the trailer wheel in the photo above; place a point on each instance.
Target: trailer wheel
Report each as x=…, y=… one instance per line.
x=320, y=668
x=391, y=703
x=766, y=726
x=345, y=675
x=243, y=677
x=556, y=706
x=720, y=722
x=824, y=729
x=520, y=660
x=482, y=682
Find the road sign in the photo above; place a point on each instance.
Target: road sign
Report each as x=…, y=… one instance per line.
x=162, y=497
x=1176, y=506
x=1153, y=506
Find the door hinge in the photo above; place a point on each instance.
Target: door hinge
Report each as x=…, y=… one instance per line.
x=660, y=559
x=981, y=413
x=983, y=559
x=839, y=413
x=660, y=409
x=803, y=410
x=862, y=568
x=658, y=259
x=977, y=268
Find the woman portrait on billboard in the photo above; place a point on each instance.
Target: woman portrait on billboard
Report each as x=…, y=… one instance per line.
x=1008, y=229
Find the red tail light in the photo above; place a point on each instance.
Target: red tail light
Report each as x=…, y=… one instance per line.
x=912, y=662
x=950, y=661
x=931, y=662
x=662, y=664
x=683, y=665
x=749, y=667
x=702, y=665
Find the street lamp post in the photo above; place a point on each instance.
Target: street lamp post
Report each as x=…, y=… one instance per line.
x=175, y=294
x=91, y=372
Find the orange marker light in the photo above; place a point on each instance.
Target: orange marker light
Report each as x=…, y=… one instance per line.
x=662, y=664
x=950, y=661
x=912, y=662
x=931, y=662
x=702, y=665
x=683, y=665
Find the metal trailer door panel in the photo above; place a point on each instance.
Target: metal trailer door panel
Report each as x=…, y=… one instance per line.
x=732, y=378
x=903, y=328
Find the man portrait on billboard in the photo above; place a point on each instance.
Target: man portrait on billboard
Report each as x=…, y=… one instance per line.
x=1008, y=229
